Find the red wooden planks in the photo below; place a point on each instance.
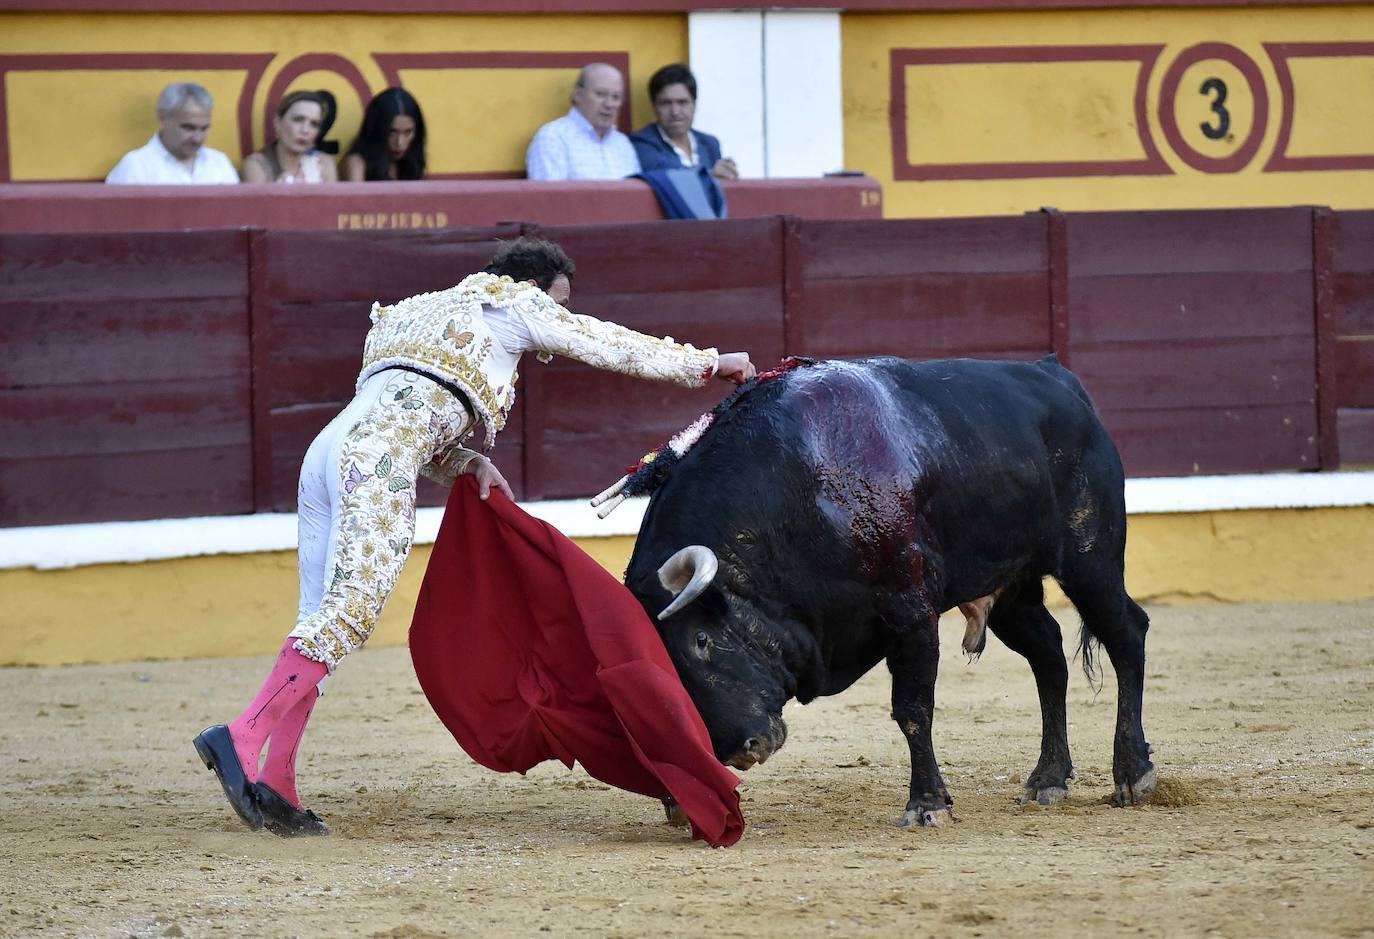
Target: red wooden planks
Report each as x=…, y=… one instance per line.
x=124, y=265
x=933, y=316
x=1352, y=314
x=124, y=387
x=310, y=267
x=1184, y=441
x=846, y=249
x=1189, y=305
x=1195, y=334
x=86, y=487
x=1216, y=373
x=73, y=342
x=1203, y=241
x=1355, y=372
x=709, y=283
x=920, y=289
x=1356, y=430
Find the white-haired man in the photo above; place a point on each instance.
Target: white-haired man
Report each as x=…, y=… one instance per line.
x=177, y=154
x=585, y=143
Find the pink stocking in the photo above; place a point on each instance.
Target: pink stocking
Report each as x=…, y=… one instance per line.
x=279, y=769
x=292, y=680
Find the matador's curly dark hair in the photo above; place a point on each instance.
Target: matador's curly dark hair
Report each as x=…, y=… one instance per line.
x=531, y=259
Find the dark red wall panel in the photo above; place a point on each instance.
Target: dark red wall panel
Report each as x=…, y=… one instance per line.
x=1187, y=441
x=1195, y=334
x=1353, y=274
x=708, y=283
x=125, y=382
x=1352, y=314
x=1356, y=427
x=920, y=289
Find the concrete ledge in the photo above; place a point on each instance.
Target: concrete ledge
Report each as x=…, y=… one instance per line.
x=63, y=546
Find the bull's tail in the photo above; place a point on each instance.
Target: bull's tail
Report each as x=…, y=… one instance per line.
x=1088, y=647
x=1065, y=377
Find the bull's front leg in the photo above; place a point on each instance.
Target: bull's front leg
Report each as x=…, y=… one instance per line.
x=914, y=662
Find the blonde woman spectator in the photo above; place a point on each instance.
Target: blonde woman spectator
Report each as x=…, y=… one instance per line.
x=292, y=157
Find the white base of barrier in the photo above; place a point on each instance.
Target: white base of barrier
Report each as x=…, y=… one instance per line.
x=62, y=546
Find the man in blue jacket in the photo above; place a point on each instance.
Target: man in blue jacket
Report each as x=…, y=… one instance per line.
x=670, y=142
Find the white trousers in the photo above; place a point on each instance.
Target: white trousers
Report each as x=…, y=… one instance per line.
x=356, y=505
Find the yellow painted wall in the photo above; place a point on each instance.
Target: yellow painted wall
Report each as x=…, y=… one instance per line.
x=1017, y=112
x=234, y=605
x=75, y=124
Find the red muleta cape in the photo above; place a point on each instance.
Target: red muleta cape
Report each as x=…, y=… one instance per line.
x=529, y=651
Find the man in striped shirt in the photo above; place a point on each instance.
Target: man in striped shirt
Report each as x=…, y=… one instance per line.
x=584, y=143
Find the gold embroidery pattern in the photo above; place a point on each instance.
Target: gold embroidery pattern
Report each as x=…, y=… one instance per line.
x=444, y=333
x=413, y=422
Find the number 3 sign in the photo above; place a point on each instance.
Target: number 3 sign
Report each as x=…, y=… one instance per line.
x=1213, y=107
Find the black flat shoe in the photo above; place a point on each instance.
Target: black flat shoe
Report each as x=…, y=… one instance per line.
x=283, y=818
x=216, y=749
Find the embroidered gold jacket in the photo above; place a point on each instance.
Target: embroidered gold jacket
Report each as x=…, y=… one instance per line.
x=445, y=335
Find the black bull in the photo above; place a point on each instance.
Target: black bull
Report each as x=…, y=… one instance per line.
x=832, y=513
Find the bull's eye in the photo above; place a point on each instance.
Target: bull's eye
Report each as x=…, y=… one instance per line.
x=703, y=642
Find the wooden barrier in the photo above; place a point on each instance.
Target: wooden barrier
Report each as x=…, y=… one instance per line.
x=157, y=375
x=1195, y=333
x=708, y=283
x=1351, y=293
x=124, y=381
x=920, y=288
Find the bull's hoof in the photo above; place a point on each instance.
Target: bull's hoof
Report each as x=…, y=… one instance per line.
x=675, y=816
x=1045, y=795
x=1137, y=792
x=925, y=817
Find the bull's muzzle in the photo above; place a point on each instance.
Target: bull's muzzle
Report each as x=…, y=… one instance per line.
x=758, y=748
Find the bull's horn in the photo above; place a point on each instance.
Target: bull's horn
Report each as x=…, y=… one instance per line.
x=686, y=574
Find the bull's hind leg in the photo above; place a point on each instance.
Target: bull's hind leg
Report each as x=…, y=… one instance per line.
x=914, y=661
x=1023, y=624
x=1109, y=615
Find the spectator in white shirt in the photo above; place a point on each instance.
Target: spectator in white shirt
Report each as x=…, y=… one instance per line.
x=584, y=143
x=177, y=153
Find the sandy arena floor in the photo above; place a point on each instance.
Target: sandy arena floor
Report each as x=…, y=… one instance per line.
x=1262, y=720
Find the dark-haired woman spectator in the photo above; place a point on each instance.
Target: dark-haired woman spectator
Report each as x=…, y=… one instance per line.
x=292, y=157
x=670, y=142
x=391, y=143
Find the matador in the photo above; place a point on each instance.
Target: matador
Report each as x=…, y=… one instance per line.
x=434, y=367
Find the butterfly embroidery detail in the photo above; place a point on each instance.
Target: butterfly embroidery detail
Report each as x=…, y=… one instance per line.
x=393, y=483
x=460, y=338
x=408, y=398
x=355, y=478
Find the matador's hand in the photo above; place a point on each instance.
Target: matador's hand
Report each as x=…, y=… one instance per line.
x=735, y=367
x=487, y=476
